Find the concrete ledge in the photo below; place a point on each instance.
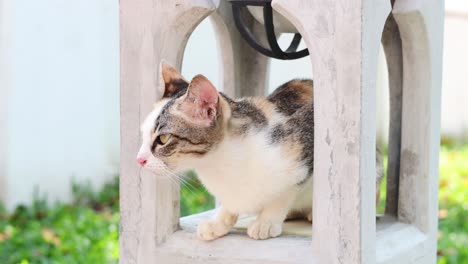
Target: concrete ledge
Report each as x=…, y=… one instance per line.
x=396, y=242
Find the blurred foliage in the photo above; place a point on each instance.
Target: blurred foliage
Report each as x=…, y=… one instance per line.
x=453, y=205
x=108, y=197
x=194, y=197
x=86, y=231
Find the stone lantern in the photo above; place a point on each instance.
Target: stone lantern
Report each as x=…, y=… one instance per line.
x=343, y=39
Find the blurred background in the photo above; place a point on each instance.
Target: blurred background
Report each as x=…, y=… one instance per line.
x=59, y=129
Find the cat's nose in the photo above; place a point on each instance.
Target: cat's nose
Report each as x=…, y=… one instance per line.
x=141, y=161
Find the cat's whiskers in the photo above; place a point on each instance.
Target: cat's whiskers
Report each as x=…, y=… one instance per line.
x=174, y=177
x=181, y=180
x=189, y=186
x=165, y=173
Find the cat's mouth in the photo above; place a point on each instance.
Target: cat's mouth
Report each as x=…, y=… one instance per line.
x=158, y=168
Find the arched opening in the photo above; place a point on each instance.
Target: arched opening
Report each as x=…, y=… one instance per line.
x=391, y=84
x=200, y=57
x=201, y=54
x=382, y=128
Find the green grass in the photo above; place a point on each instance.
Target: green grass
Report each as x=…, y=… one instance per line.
x=453, y=205
x=86, y=230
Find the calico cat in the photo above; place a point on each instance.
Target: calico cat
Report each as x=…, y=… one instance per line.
x=255, y=155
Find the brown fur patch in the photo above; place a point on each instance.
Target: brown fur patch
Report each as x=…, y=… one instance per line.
x=245, y=115
x=265, y=106
x=292, y=95
x=173, y=80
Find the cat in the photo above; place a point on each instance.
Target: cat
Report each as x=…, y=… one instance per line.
x=255, y=155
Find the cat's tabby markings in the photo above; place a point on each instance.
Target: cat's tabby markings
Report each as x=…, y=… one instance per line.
x=255, y=155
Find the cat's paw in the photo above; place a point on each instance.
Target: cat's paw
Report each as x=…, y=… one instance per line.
x=262, y=229
x=309, y=217
x=211, y=229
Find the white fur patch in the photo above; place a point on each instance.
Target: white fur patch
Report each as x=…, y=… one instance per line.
x=253, y=174
x=153, y=164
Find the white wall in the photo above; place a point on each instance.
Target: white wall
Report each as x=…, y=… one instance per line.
x=455, y=75
x=3, y=104
x=62, y=118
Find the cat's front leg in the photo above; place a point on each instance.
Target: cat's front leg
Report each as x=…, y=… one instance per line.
x=269, y=222
x=210, y=229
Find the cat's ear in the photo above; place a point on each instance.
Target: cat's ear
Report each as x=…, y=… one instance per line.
x=170, y=80
x=201, y=101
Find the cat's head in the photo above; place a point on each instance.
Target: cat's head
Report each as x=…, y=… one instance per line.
x=185, y=124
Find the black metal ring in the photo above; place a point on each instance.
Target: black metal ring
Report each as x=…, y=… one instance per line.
x=246, y=33
x=275, y=51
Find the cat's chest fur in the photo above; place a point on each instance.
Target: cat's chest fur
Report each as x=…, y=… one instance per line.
x=245, y=173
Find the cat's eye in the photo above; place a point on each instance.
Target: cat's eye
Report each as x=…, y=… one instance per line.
x=163, y=139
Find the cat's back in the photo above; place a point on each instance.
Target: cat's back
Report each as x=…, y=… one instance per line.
x=294, y=100
x=292, y=96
